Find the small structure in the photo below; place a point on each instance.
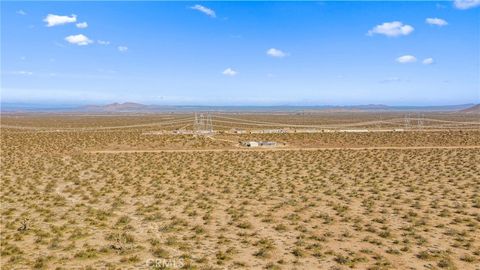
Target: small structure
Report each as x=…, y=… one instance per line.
x=236, y=131
x=239, y=131
x=268, y=144
x=250, y=144
x=258, y=144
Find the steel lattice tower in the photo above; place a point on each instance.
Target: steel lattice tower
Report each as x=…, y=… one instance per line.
x=407, y=121
x=203, y=124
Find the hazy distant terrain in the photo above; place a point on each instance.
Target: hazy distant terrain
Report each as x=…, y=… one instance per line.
x=474, y=109
x=130, y=107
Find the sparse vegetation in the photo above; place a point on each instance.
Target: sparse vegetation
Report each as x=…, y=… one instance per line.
x=63, y=206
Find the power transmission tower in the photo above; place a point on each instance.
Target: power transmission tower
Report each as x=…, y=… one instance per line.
x=208, y=124
x=378, y=125
x=406, y=121
x=420, y=121
x=203, y=124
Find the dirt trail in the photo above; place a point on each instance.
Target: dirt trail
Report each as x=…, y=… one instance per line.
x=177, y=121
x=278, y=149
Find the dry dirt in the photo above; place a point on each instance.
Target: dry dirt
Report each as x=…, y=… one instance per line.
x=101, y=195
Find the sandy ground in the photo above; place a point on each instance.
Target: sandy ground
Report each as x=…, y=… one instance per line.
x=120, y=200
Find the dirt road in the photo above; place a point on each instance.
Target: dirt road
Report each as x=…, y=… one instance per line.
x=277, y=149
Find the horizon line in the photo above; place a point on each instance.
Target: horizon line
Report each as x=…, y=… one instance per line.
x=79, y=104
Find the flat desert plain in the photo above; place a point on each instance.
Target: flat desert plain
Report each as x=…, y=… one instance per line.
x=337, y=191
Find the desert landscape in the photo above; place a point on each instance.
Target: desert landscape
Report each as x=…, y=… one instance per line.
x=211, y=135
x=336, y=190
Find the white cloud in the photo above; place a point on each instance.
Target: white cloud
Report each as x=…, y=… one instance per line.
x=428, y=61
x=53, y=20
x=436, y=21
x=80, y=40
x=276, y=53
x=21, y=12
x=122, y=49
x=103, y=42
x=229, y=72
x=391, y=29
x=82, y=25
x=406, y=59
x=466, y=4
x=204, y=10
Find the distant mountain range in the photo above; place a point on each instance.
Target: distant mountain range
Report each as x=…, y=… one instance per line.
x=472, y=110
x=131, y=107
x=116, y=107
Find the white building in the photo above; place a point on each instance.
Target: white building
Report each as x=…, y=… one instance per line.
x=259, y=144
x=251, y=144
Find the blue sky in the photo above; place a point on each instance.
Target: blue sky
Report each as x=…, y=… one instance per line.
x=241, y=53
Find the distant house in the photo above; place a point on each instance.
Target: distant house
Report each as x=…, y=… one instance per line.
x=251, y=144
x=272, y=144
x=239, y=131
x=259, y=144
